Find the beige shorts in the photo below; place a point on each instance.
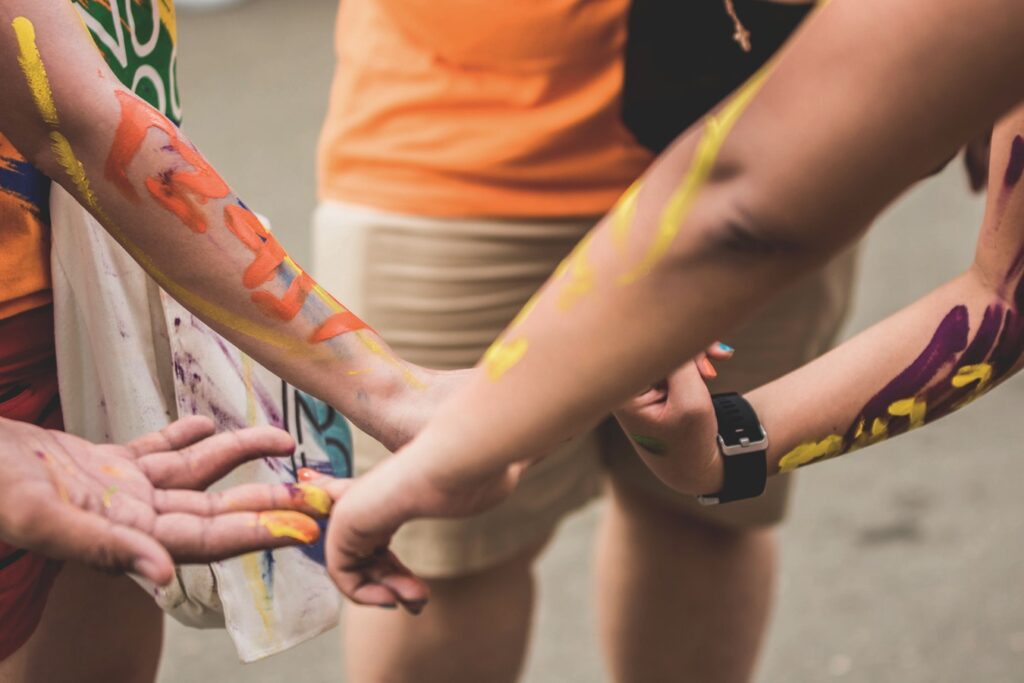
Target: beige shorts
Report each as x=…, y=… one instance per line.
x=440, y=290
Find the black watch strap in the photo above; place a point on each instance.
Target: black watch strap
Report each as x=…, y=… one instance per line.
x=744, y=447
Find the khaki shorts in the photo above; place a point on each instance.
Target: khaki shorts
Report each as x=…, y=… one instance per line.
x=440, y=290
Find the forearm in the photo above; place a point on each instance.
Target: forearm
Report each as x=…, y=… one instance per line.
x=156, y=194
x=919, y=365
x=733, y=213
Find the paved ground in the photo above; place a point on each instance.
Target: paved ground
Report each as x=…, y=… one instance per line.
x=903, y=568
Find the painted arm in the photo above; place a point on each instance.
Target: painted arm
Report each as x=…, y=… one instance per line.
x=920, y=364
x=778, y=180
x=156, y=194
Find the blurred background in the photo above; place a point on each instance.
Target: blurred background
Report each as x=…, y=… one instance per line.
x=903, y=563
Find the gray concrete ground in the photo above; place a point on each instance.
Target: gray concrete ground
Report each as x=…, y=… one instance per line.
x=902, y=563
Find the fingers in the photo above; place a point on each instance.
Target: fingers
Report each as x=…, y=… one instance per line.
x=309, y=499
x=178, y=434
x=378, y=579
x=192, y=538
x=201, y=463
x=70, y=533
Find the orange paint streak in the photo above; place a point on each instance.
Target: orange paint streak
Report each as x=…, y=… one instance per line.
x=288, y=306
x=180, y=192
x=338, y=324
x=287, y=524
x=269, y=253
x=112, y=471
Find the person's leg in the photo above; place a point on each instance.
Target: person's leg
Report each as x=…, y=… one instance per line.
x=440, y=291
x=685, y=592
x=96, y=628
x=476, y=629
x=680, y=598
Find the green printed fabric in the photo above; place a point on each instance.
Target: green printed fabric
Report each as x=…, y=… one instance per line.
x=139, y=39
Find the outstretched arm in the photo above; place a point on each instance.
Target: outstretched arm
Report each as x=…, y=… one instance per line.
x=157, y=195
x=869, y=96
x=920, y=364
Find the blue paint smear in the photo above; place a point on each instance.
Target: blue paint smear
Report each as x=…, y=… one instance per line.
x=330, y=431
x=26, y=183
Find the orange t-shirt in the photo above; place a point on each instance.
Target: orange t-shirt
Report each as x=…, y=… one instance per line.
x=24, y=234
x=507, y=108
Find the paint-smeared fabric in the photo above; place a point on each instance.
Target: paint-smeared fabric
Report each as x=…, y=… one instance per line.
x=28, y=393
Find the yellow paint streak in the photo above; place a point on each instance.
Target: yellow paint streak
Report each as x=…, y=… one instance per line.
x=250, y=392
x=264, y=605
x=288, y=524
x=169, y=18
x=31, y=63
x=316, y=498
x=980, y=373
x=806, y=453
x=108, y=495
x=76, y=171
x=375, y=347
x=716, y=129
x=579, y=272
x=51, y=467
x=505, y=353
x=914, y=408
x=623, y=215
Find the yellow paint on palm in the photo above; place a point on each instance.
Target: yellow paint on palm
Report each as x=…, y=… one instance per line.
x=830, y=446
x=716, y=129
x=31, y=63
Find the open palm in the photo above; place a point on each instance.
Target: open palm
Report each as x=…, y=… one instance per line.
x=137, y=506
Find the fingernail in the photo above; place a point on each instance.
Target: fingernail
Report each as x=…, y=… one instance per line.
x=307, y=474
x=415, y=606
x=726, y=348
x=708, y=368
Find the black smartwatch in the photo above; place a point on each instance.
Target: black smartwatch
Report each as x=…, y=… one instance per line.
x=744, y=446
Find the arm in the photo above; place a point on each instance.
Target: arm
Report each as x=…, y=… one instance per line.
x=777, y=181
x=136, y=506
x=920, y=364
x=157, y=195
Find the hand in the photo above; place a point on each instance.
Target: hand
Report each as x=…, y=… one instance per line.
x=369, y=510
x=131, y=508
x=672, y=426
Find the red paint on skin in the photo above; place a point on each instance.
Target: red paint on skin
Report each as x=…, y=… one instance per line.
x=338, y=324
x=180, y=192
x=307, y=474
x=269, y=252
x=288, y=306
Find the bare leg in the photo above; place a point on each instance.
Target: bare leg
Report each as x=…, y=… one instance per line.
x=96, y=628
x=475, y=629
x=680, y=598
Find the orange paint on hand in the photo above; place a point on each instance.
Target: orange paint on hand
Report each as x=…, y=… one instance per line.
x=287, y=524
x=338, y=324
x=307, y=474
x=707, y=368
x=112, y=471
x=180, y=192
